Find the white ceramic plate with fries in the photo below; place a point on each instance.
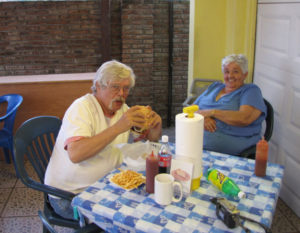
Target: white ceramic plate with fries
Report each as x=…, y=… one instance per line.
x=128, y=179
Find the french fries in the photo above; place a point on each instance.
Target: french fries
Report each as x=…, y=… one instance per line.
x=128, y=179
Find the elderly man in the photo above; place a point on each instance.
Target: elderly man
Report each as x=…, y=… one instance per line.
x=92, y=125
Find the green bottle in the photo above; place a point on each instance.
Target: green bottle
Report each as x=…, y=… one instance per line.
x=224, y=183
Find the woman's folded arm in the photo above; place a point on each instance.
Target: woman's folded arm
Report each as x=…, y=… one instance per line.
x=243, y=117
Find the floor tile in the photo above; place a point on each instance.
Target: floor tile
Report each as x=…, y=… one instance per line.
x=63, y=229
x=289, y=214
x=20, y=225
x=8, y=177
x=23, y=202
x=4, y=195
x=281, y=224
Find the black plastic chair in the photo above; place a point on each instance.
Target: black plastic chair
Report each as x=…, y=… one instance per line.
x=250, y=152
x=34, y=142
x=50, y=228
x=6, y=133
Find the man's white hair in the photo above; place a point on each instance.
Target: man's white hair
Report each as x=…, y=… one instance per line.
x=113, y=71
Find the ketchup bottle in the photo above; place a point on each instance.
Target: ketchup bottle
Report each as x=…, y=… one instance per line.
x=261, y=157
x=151, y=171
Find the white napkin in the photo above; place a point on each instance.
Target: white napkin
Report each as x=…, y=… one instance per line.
x=135, y=154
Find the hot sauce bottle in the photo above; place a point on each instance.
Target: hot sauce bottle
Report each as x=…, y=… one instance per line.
x=261, y=157
x=151, y=171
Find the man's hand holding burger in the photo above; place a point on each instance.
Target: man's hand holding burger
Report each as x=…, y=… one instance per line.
x=142, y=120
x=154, y=126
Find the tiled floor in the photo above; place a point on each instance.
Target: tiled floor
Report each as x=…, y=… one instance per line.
x=19, y=205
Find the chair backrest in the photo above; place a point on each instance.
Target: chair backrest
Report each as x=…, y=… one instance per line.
x=199, y=85
x=13, y=102
x=35, y=140
x=269, y=121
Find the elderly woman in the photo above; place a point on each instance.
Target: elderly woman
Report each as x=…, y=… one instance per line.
x=233, y=111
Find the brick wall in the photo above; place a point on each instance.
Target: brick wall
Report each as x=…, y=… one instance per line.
x=49, y=37
x=161, y=58
x=180, y=55
x=65, y=37
x=145, y=38
x=137, y=43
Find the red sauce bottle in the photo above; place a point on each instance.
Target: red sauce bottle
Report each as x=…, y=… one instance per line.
x=151, y=171
x=261, y=157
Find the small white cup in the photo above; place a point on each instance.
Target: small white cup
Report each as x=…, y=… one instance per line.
x=164, y=189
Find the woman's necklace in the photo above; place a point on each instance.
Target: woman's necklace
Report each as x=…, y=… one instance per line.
x=221, y=94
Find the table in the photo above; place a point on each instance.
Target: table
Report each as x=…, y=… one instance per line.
x=117, y=210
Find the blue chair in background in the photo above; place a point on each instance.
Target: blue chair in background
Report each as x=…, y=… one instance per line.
x=6, y=133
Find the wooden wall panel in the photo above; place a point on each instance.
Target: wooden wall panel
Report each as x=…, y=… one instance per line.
x=49, y=98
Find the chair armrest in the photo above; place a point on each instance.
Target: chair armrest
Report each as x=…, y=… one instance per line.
x=48, y=189
x=9, y=113
x=46, y=222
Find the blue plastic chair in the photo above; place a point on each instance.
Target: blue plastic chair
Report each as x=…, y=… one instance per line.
x=6, y=133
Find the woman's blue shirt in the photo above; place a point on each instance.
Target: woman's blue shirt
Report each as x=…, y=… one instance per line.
x=248, y=94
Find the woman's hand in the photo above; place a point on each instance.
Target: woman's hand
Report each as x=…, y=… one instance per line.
x=210, y=124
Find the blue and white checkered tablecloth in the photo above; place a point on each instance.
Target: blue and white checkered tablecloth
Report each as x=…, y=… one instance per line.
x=117, y=210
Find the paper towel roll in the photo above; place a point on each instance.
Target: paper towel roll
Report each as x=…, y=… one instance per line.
x=189, y=136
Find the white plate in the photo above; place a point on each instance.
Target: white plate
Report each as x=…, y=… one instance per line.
x=128, y=189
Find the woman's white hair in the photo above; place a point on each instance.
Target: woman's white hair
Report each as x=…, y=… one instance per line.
x=113, y=71
x=239, y=59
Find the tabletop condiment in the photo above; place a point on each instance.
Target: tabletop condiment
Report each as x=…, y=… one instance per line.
x=261, y=157
x=151, y=171
x=164, y=156
x=224, y=183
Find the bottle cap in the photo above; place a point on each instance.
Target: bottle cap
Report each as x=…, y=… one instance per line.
x=165, y=138
x=241, y=194
x=151, y=155
x=263, y=144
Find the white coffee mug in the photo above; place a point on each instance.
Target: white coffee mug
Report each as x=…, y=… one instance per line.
x=164, y=189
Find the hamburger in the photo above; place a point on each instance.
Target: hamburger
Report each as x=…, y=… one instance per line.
x=146, y=112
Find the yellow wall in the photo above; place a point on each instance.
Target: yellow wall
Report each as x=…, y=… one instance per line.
x=221, y=27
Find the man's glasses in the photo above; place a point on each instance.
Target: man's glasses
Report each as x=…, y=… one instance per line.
x=116, y=88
